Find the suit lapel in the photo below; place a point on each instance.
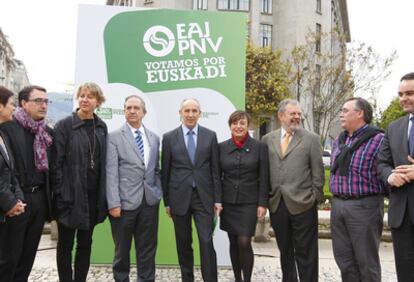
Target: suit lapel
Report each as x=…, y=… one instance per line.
x=23, y=143
x=404, y=139
x=152, y=147
x=296, y=139
x=181, y=142
x=200, y=142
x=126, y=131
x=276, y=142
x=5, y=156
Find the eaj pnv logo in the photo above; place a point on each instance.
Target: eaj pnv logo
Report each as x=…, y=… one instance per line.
x=197, y=53
x=190, y=39
x=159, y=41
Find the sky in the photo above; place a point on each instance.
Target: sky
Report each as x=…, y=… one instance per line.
x=43, y=36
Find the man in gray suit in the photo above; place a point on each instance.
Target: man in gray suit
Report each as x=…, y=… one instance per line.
x=192, y=189
x=296, y=179
x=133, y=192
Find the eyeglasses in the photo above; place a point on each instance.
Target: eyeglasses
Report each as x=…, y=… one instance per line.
x=344, y=111
x=39, y=101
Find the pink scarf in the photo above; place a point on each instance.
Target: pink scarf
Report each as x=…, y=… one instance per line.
x=42, y=138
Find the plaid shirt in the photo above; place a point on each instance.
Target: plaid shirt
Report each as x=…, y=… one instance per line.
x=362, y=177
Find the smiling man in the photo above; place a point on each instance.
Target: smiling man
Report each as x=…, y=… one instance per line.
x=192, y=188
x=396, y=169
x=296, y=181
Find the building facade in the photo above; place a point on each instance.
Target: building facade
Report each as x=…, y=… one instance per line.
x=13, y=74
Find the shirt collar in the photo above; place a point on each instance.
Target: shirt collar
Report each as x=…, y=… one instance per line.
x=186, y=129
x=133, y=129
x=283, y=132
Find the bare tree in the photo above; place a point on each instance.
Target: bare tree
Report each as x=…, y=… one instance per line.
x=326, y=72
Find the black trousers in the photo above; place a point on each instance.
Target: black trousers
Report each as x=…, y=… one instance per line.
x=142, y=224
x=83, y=247
x=19, y=238
x=297, y=239
x=183, y=234
x=403, y=242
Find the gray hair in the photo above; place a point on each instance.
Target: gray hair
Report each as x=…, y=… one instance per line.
x=144, y=108
x=283, y=104
x=192, y=99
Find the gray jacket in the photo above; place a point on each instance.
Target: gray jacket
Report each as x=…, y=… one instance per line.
x=127, y=178
x=298, y=176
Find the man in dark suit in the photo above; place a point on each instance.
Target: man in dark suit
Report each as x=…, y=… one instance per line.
x=296, y=182
x=30, y=148
x=396, y=169
x=133, y=192
x=191, y=186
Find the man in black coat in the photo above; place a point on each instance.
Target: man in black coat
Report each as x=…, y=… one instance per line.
x=191, y=187
x=396, y=169
x=30, y=145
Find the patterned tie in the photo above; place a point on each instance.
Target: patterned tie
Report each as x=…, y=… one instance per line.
x=140, y=143
x=285, y=142
x=191, y=147
x=411, y=137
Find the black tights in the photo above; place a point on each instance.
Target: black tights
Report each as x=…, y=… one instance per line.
x=241, y=254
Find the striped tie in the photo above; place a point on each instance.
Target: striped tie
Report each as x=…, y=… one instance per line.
x=140, y=143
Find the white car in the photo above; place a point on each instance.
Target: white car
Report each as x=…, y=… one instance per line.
x=326, y=158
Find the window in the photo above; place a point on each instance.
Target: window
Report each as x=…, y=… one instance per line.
x=318, y=80
x=266, y=35
x=199, y=4
x=318, y=38
x=266, y=6
x=319, y=6
x=240, y=5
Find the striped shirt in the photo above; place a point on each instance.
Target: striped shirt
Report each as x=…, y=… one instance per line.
x=362, y=177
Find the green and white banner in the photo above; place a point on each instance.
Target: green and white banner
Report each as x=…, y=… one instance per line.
x=164, y=56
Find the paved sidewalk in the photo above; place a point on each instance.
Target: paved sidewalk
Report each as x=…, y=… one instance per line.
x=266, y=269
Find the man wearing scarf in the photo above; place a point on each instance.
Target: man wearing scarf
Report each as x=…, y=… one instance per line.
x=358, y=194
x=31, y=140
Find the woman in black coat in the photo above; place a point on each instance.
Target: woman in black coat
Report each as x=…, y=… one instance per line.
x=78, y=179
x=244, y=166
x=11, y=196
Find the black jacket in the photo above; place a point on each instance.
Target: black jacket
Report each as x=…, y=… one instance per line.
x=15, y=133
x=69, y=172
x=244, y=172
x=10, y=190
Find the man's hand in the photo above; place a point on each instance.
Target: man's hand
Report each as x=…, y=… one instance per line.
x=218, y=208
x=17, y=209
x=261, y=212
x=398, y=179
x=115, y=212
x=407, y=170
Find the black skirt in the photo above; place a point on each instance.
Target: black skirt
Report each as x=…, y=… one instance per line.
x=239, y=219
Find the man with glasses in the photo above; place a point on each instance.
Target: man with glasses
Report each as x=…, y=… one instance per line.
x=30, y=146
x=358, y=194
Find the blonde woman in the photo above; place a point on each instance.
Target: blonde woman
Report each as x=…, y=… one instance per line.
x=78, y=179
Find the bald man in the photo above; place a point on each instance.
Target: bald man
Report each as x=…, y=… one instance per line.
x=192, y=189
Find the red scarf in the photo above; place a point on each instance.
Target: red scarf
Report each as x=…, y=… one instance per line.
x=240, y=144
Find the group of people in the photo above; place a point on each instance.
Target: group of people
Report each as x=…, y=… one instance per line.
x=79, y=174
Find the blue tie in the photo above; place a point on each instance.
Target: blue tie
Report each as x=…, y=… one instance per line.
x=411, y=137
x=191, y=147
x=140, y=143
